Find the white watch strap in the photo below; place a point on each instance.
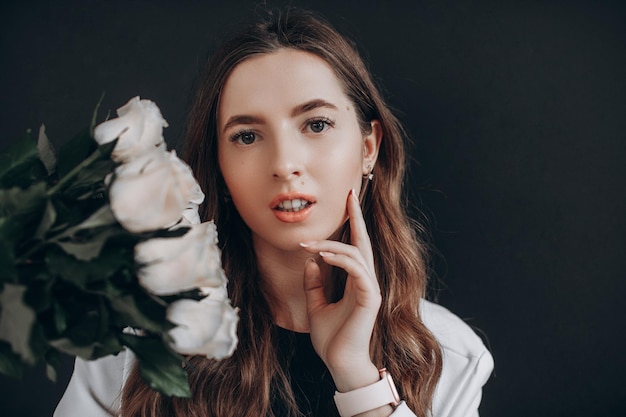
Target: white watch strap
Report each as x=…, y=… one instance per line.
x=402, y=410
x=364, y=399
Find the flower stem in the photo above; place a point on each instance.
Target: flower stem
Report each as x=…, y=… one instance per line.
x=72, y=174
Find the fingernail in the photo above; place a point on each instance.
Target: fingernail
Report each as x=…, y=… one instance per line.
x=304, y=245
x=326, y=254
x=353, y=192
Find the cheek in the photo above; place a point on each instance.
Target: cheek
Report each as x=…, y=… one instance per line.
x=229, y=168
x=344, y=165
x=239, y=176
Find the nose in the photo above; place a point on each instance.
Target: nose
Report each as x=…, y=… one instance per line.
x=287, y=158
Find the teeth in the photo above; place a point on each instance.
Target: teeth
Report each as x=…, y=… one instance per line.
x=292, y=205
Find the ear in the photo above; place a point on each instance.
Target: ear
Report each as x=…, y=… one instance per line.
x=371, y=145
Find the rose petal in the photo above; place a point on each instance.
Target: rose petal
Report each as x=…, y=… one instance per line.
x=139, y=128
x=207, y=327
x=151, y=191
x=190, y=216
x=172, y=265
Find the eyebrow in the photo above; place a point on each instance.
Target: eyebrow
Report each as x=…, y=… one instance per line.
x=300, y=109
x=311, y=105
x=243, y=120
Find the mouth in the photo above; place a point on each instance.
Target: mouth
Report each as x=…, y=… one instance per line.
x=293, y=205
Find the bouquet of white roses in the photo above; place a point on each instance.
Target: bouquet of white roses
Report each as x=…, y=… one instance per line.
x=101, y=248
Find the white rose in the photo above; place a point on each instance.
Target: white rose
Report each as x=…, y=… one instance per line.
x=190, y=216
x=171, y=265
x=190, y=213
x=151, y=192
x=215, y=293
x=139, y=128
x=207, y=327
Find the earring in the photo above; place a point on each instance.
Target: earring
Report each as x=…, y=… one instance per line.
x=369, y=176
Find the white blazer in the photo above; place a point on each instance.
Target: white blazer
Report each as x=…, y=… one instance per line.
x=95, y=387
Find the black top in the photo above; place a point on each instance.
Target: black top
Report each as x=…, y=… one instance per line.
x=311, y=381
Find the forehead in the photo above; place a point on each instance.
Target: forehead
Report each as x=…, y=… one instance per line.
x=280, y=80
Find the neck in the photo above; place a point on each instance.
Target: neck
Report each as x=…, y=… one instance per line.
x=281, y=275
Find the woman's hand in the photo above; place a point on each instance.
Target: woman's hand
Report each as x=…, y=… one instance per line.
x=341, y=332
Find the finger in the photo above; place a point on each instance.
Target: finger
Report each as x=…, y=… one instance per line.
x=336, y=248
x=358, y=230
x=360, y=274
x=313, y=287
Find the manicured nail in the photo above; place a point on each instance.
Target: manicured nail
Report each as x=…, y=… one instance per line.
x=304, y=245
x=353, y=191
x=326, y=254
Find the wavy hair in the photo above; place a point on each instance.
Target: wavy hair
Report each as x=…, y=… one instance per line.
x=247, y=383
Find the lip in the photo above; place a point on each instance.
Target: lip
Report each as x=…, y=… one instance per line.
x=292, y=216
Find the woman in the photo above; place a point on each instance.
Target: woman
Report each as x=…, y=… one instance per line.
x=302, y=163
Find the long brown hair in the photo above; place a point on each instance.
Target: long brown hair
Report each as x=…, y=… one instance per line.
x=247, y=383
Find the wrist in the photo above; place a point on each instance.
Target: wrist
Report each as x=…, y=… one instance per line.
x=377, y=399
x=355, y=377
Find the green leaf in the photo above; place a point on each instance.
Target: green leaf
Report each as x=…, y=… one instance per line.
x=88, y=275
x=107, y=345
x=81, y=338
x=47, y=220
x=94, y=116
x=87, y=246
x=53, y=364
x=38, y=341
x=161, y=368
x=66, y=345
x=102, y=349
x=20, y=165
x=88, y=249
x=141, y=312
x=60, y=318
x=102, y=217
x=46, y=151
x=10, y=363
x=21, y=211
x=70, y=213
x=75, y=151
x=16, y=321
x=18, y=202
x=39, y=292
x=106, y=149
x=79, y=324
x=51, y=372
x=165, y=233
x=86, y=177
x=90, y=180
x=7, y=263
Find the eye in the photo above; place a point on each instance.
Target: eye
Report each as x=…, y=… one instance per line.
x=319, y=125
x=245, y=137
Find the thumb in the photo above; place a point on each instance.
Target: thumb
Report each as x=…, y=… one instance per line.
x=313, y=287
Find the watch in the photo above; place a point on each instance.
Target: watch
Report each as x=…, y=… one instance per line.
x=368, y=398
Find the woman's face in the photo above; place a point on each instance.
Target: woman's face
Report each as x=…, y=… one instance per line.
x=290, y=148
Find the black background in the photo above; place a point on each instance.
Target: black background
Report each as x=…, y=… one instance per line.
x=517, y=110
